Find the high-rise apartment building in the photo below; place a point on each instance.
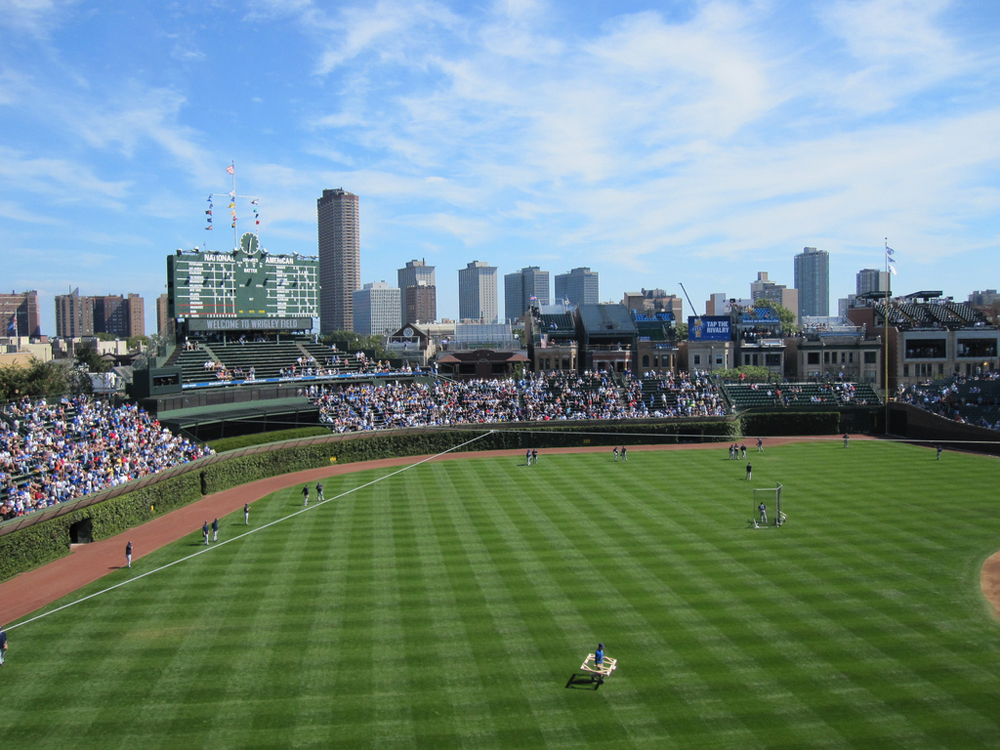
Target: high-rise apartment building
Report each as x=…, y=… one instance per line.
x=122, y=317
x=523, y=289
x=419, y=303
x=376, y=309
x=812, y=280
x=419, y=276
x=164, y=323
x=872, y=280
x=764, y=288
x=580, y=287
x=338, y=220
x=19, y=314
x=74, y=315
x=477, y=292
x=119, y=316
x=715, y=305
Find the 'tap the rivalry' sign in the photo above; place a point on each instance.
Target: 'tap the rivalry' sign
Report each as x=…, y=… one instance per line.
x=709, y=328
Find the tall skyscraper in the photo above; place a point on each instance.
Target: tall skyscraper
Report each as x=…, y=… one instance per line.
x=580, y=286
x=338, y=220
x=419, y=275
x=19, y=314
x=477, y=292
x=522, y=289
x=376, y=309
x=812, y=279
x=872, y=280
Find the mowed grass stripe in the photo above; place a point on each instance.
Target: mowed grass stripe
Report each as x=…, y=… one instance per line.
x=445, y=652
x=520, y=687
x=558, y=625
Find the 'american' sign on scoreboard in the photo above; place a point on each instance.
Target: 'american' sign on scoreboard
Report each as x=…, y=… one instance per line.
x=245, y=283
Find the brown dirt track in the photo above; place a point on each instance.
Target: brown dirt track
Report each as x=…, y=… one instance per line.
x=34, y=589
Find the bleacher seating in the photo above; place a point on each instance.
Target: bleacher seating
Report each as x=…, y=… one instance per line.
x=750, y=395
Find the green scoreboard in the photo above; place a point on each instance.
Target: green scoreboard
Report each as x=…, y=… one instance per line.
x=247, y=283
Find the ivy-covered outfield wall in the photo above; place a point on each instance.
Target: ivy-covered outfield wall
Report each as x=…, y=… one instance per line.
x=34, y=542
x=43, y=542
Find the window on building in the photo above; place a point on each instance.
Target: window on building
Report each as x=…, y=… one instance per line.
x=870, y=358
x=976, y=348
x=926, y=349
x=812, y=358
x=697, y=359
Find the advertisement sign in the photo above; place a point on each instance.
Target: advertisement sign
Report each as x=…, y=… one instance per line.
x=709, y=328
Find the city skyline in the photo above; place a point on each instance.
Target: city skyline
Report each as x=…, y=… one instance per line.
x=657, y=143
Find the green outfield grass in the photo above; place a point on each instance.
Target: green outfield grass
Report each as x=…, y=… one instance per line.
x=449, y=605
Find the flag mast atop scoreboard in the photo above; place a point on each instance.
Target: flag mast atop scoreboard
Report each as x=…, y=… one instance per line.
x=890, y=271
x=232, y=196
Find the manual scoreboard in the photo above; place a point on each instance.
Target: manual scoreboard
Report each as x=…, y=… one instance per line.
x=248, y=282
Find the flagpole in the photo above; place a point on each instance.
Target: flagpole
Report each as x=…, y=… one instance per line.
x=888, y=285
x=232, y=197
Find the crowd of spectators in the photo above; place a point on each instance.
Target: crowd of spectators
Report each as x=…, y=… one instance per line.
x=680, y=395
x=51, y=453
x=533, y=397
x=971, y=400
x=358, y=364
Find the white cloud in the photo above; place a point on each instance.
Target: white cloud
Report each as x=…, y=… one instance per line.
x=899, y=49
x=61, y=180
x=36, y=18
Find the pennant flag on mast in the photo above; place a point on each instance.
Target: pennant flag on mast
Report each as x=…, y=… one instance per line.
x=231, y=169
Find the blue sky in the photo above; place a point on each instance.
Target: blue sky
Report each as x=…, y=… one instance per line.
x=657, y=143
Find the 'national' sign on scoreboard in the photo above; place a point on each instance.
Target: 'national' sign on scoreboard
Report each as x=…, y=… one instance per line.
x=244, y=283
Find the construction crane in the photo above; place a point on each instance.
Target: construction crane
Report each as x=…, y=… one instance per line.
x=697, y=318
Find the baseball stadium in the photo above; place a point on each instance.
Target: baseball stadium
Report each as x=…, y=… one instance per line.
x=280, y=543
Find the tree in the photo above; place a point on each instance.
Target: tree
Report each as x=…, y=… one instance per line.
x=349, y=341
x=92, y=360
x=137, y=342
x=36, y=379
